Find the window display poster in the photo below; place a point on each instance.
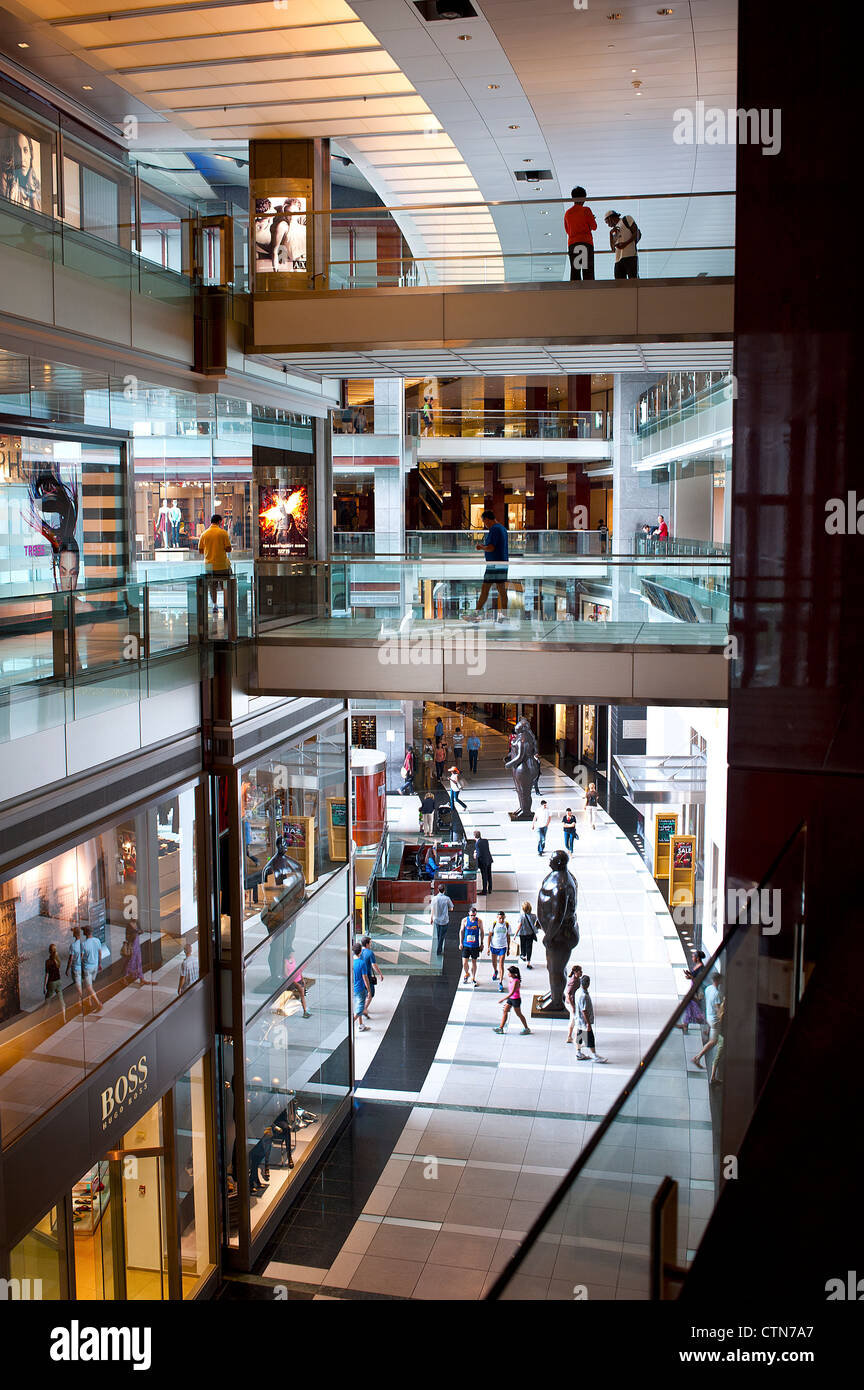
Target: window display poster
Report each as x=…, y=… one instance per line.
x=281, y=233
x=684, y=855
x=667, y=826
x=20, y=169
x=283, y=522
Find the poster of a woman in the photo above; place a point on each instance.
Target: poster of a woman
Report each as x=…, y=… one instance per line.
x=20, y=169
x=53, y=512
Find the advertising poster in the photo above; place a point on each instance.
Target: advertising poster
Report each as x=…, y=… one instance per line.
x=667, y=826
x=684, y=856
x=282, y=228
x=283, y=522
x=20, y=169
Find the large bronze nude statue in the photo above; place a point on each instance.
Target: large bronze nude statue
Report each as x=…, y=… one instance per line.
x=556, y=913
x=524, y=764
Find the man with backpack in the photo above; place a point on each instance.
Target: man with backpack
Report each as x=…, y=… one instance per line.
x=624, y=236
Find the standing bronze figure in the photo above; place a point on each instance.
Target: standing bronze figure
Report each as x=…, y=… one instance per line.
x=556, y=913
x=524, y=764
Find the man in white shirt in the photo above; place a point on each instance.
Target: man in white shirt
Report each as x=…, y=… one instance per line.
x=439, y=915
x=540, y=823
x=585, y=1022
x=622, y=238
x=188, y=968
x=713, y=1016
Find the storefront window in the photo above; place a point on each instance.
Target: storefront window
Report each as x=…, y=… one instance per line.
x=194, y=1218
x=297, y=1071
x=93, y=944
x=62, y=515
x=294, y=828
x=39, y=1258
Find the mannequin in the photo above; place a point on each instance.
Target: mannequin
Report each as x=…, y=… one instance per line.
x=163, y=525
x=175, y=516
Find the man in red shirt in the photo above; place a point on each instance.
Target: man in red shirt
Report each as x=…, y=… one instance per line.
x=579, y=224
x=661, y=530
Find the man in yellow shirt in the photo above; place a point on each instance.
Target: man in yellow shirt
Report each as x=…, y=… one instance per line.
x=215, y=545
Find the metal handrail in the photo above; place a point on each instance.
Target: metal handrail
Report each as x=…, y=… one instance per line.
x=501, y=254
x=522, y=203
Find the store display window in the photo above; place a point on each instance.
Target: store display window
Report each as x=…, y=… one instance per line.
x=62, y=514
x=38, y=1261
x=297, y=1074
x=293, y=814
x=94, y=943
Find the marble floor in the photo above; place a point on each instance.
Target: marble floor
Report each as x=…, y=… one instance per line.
x=491, y=1124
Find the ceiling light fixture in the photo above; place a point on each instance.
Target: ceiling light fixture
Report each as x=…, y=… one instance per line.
x=512, y=127
x=665, y=11
x=23, y=45
x=527, y=161
x=466, y=38
x=86, y=88
x=493, y=86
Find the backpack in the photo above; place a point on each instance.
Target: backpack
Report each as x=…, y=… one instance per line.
x=634, y=229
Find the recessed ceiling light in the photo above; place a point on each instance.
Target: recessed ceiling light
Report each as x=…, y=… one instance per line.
x=23, y=45
x=512, y=127
x=527, y=161
x=665, y=11
x=634, y=69
x=466, y=38
x=86, y=88
x=493, y=86
x=544, y=212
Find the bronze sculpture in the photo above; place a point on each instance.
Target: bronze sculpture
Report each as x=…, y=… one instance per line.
x=524, y=765
x=556, y=913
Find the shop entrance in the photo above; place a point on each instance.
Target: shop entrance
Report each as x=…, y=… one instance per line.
x=119, y=1219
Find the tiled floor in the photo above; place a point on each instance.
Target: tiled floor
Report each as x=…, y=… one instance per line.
x=490, y=1125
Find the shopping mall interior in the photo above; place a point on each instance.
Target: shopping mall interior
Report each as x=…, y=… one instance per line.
x=430, y=659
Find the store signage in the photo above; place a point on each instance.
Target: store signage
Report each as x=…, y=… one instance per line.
x=126, y=1088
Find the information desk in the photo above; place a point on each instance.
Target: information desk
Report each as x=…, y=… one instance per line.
x=414, y=884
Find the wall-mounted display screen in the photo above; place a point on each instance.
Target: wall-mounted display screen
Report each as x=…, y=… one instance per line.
x=283, y=522
x=280, y=234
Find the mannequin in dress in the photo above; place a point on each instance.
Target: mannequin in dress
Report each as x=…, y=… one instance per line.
x=163, y=525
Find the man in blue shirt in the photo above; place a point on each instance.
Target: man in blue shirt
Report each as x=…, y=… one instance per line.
x=361, y=987
x=473, y=751
x=497, y=552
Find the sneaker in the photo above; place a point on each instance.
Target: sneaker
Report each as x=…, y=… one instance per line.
x=497, y=1030
x=599, y=1059
x=476, y=984
x=500, y=989
x=582, y=1057
x=524, y=1031
x=471, y=617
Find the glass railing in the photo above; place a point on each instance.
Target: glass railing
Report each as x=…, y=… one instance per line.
x=567, y=600
x=68, y=656
x=678, y=546
x=513, y=242
x=510, y=424
x=628, y=1219
x=678, y=397
x=420, y=543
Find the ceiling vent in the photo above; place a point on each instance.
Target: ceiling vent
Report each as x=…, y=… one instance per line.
x=445, y=9
x=532, y=175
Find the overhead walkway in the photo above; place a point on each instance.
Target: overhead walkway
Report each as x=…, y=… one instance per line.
x=593, y=628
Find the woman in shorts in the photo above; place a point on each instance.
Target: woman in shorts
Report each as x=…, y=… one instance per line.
x=514, y=1001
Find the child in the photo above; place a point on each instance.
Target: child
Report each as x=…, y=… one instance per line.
x=499, y=945
x=514, y=1001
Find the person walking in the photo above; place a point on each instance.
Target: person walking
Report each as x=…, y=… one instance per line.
x=499, y=945
x=361, y=987
x=495, y=546
x=428, y=764
x=91, y=961
x=483, y=861
x=623, y=236
x=373, y=971
x=458, y=747
x=456, y=786
x=439, y=730
x=585, y=1019
x=568, y=821
x=580, y=225
x=427, y=812
x=440, y=760
x=440, y=908
x=694, y=1013
x=470, y=945
x=74, y=966
x=591, y=801
x=540, y=823
x=131, y=950
x=526, y=934
x=407, y=788
x=215, y=545
x=713, y=1001
x=53, y=980
x=574, y=979
x=473, y=753
x=188, y=967
x=514, y=1001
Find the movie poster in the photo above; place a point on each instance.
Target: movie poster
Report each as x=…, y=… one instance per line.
x=280, y=234
x=283, y=522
